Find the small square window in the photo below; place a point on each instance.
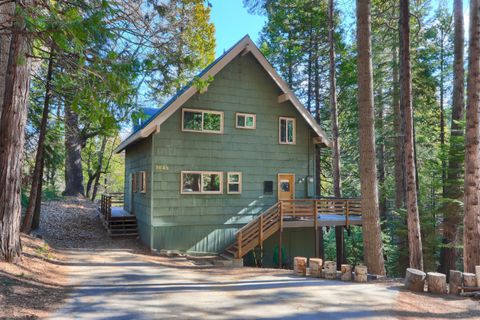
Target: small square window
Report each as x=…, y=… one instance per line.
x=246, y=121
x=234, y=182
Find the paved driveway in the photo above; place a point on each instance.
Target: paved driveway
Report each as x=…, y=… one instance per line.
x=118, y=284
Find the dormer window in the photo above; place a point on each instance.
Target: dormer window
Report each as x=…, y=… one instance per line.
x=207, y=121
x=286, y=130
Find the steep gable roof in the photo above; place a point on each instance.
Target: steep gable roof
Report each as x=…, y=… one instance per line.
x=244, y=46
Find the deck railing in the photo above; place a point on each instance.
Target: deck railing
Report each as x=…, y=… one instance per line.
x=108, y=200
x=271, y=220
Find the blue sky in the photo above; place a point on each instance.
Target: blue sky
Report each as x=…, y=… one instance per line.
x=232, y=22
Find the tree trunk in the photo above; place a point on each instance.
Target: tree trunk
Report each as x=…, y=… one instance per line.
x=381, y=161
x=333, y=106
x=36, y=189
x=471, y=229
x=399, y=128
x=12, y=137
x=100, y=160
x=6, y=12
x=372, y=240
x=413, y=221
x=452, y=213
x=73, y=159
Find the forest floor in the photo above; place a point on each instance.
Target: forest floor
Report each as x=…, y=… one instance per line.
x=77, y=271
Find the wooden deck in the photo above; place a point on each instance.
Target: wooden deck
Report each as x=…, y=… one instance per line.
x=117, y=221
x=298, y=213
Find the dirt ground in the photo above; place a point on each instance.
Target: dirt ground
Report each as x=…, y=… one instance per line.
x=38, y=284
x=34, y=286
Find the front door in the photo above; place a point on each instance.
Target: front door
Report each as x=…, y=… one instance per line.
x=286, y=186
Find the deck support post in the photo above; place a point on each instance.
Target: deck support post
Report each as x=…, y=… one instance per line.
x=340, y=246
x=320, y=253
x=280, y=234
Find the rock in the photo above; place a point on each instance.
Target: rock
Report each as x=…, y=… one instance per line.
x=455, y=281
x=346, y=270
x=415, y=280
x=315, y=267
x=361, y=273
x=469, y=279
x=437, y=282
x=330, y=270
x=300, y=265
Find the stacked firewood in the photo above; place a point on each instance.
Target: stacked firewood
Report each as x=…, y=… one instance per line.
x=460, y=283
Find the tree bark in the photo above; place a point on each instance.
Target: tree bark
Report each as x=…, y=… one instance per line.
x=6, y=14
x=12, y=137
x=333, y=105
x=73, y=159
x=399, y=128
x=413, y=220
x=381, y=161
x=372, y=240
x=471, y=229
x=452, y=212
x=36, y=188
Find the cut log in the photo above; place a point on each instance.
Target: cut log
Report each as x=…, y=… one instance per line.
x=415, y=280
x=437, y=282
x=455, y=281
x=361, y=274
x=477, y=275
x=330, y=270
x=469, y=280
x=474, y=294
x=315, y=267
x=346, y=272
x=300, y=265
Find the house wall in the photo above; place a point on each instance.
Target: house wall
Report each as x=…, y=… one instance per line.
x=138, y=157
x=207, y=223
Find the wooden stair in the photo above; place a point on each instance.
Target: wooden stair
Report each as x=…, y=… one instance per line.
x=255, y=232
x=124, y=226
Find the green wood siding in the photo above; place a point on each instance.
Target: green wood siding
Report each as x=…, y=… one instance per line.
x=207, y=223
x=139, y=158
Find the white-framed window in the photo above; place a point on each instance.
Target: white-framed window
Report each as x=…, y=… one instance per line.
x=195, y=120
x=143, y=181
x=134, y=182
x=286, y=130
x=201, y=182
x=245, y=121
x=234, y=182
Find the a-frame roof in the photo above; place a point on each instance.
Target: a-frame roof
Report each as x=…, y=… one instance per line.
x=244, y=46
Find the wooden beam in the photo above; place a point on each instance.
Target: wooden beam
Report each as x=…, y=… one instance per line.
x=283, y=98
x=246, y=50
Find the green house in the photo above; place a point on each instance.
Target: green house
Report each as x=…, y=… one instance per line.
x=212, y=160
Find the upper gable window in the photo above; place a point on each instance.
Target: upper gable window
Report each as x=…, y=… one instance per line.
x=202, y=121
x=246, y=121
x=287, y=128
